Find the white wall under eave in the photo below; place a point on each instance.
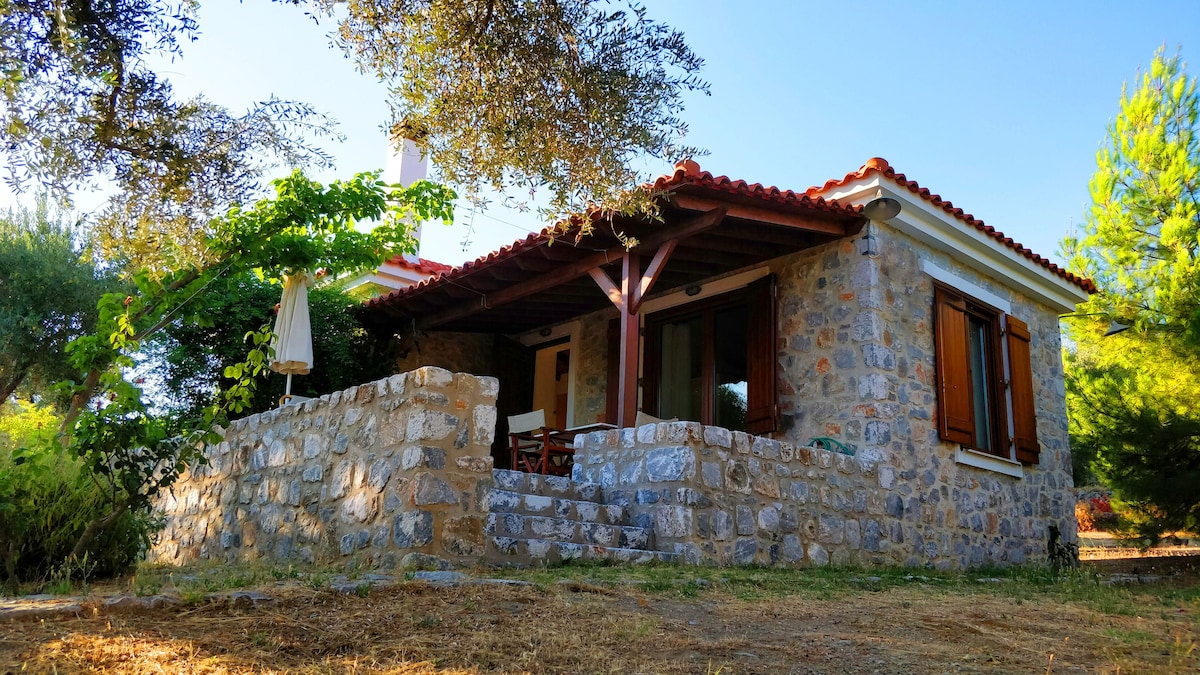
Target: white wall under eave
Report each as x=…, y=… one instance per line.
x=931, y=225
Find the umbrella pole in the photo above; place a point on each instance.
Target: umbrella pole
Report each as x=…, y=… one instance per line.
x=287, y=390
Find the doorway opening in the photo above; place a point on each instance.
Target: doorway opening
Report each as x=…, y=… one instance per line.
x=551, y=383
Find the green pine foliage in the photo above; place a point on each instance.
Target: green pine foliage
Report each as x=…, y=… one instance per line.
x=1132, y=397
x=1139, y=242
x=1132, y=402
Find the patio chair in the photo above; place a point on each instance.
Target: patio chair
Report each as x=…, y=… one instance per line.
x=537, y=448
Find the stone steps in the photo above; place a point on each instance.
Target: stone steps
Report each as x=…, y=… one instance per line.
x=567, y=530
x=505, y=501
x=550, y=486
x=542, y=520
x=530, y=552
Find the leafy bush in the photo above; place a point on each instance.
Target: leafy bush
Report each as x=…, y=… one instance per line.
x=46, y=501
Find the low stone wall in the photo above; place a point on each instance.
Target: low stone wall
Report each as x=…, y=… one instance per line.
x=378, y=471
x=720, y=497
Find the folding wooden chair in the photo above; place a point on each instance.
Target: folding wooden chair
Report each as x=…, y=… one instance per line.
x=534, y=447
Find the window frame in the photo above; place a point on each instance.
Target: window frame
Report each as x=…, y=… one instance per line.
x=1012, y=409
x=760, y=299
x=996, y=374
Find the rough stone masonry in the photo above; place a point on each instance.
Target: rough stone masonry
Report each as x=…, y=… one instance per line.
x=387, y=469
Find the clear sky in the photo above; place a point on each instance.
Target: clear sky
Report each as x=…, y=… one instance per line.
x=998, y=106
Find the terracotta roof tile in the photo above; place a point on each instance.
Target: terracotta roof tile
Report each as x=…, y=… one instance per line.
x=422, y=265
x=689, y=173
x=686, y=173
x=880, y=165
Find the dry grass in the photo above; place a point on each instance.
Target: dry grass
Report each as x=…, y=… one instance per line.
x=744, y=621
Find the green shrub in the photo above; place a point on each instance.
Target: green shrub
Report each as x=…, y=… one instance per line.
x=46, y=500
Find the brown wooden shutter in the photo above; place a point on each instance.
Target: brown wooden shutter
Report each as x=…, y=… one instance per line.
x=612, y=388
x=762, y=358
x=956, y=414
x=1020, y=378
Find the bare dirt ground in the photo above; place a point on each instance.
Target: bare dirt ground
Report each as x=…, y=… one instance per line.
x=664, y=620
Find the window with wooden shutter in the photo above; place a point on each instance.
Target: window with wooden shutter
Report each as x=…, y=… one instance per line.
x=761, y=357
x=1021, y=386
x=956, y=411
x=976, y=384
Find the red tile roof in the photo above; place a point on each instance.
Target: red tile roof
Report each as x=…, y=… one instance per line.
x=687, y=173
x=880, y=165
x=422, y=265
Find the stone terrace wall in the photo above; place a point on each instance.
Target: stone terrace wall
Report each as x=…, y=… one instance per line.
x=721, y=497
x=375, y=472
x=728, y=498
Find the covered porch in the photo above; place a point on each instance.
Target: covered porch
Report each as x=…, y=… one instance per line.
x=682, y=324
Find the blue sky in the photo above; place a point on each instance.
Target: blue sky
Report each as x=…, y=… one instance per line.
x=997, y=106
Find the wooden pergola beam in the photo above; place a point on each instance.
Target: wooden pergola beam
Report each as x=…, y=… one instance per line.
x=569, y=271
x=653, y=272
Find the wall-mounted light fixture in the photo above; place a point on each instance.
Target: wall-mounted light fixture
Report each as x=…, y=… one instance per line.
x=879, y=209
x=692, y=290
x=1116, y=327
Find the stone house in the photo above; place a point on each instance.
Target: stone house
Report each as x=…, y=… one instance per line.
x=853, y=383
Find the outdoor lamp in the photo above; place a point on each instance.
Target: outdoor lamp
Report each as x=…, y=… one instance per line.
x=881, y=208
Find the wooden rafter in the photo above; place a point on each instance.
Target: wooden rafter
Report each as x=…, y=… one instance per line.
x=569, y=270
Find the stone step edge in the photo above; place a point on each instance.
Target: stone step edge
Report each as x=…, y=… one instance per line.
x=507, y=501
x=549, y=486
x=509, y=550
x=567, y=530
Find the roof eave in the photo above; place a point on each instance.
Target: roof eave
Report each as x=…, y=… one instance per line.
x=977, y=250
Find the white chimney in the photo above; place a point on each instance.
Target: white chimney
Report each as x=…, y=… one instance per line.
x=406, y=165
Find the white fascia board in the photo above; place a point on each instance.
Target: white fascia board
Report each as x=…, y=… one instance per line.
x=931, y=225
x=394, y=278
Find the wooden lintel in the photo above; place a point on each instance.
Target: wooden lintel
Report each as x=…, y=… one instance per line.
x=653, y=271
x=610, y=289
x=798, y=221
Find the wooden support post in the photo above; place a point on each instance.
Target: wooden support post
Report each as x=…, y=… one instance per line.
x=631, y=275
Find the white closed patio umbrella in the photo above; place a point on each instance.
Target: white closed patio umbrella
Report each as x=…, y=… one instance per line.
x=293, y=331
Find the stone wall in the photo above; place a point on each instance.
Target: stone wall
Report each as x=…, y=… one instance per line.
x=728, y=498
x=591, y=380
x=456, y=352
x=720, y=497
x=375, y=472
x=857, y=364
